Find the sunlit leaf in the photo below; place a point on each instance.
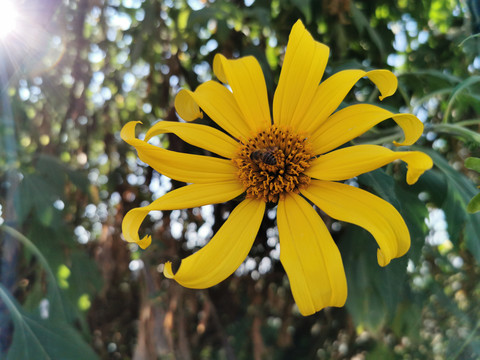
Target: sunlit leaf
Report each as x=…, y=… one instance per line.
x=473, y=164
x=474, y=204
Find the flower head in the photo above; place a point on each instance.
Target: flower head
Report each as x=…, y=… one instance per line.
x=288, y=159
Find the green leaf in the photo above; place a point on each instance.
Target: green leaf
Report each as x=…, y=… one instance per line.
x=474, y=204
x=202, y=16
x=382, y=184
x=460, y=190
x=405, y=199
x=408, y=317
x=455, y=129
x=361, y=22
x=52, y=170
x=433, y=94
x=458, y=89
x=36, y=193
x=304, y=7
x=56, y=172
x=52, y=289
x=42, y=339
x=473, y=163
x=374, y=292
x=414, y=212
x=443, y=76
x=85, y=275
x=468, y=38
x=40, y=189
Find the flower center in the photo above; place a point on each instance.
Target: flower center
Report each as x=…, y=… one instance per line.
x=272, y=163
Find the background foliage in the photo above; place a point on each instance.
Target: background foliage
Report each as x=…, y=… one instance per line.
x=74, y=72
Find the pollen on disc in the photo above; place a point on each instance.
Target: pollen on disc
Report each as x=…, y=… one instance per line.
x=273, y=163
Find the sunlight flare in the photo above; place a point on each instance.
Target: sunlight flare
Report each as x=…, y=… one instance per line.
x=8, y=18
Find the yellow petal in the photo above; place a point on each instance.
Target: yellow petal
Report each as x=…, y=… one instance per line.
x=310, y=257
x=180, y=166
x=183, y=198
x=302, y=70
x=225, y=252
x=356, y=206
x=352, y=161
x=186, y=106
x=201, y=136
x=331, y=92
x=246, y=79
x=218, y=102
x=348, y=123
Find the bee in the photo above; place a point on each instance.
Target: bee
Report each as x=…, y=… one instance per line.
x=267, y=156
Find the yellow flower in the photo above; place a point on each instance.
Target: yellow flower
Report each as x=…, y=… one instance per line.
x=288, y=161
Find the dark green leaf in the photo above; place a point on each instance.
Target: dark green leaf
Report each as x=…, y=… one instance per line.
x=436, y=74
x=52, y=170
x=456, y=91
x=304, y=7
x=36, y=193
x=53, y=292
x=382, y=184
x=362, y=23
x=405, y=199
x=373, y=292
x=57, y=172
x=459, y=193
x=85, y=275
x=40, y=339
x=408, y=317
x=202, y=16
x=460, y=131
x=414, y=212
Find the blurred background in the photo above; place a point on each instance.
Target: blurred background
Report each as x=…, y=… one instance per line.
x=72, y=73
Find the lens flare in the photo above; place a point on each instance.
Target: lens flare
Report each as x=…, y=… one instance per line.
x=8, y=18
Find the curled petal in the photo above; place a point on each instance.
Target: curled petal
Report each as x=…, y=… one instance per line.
x=201, y=136
x=246, y=79
x=218, y=102
x=352, y=161
x=183, y=198
x=353, y=121
x=310, y=257
x=186, y=106
x=225, y=252
x=359, y=207
x=179, y=166
x=331, y=92
x=302, y=70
